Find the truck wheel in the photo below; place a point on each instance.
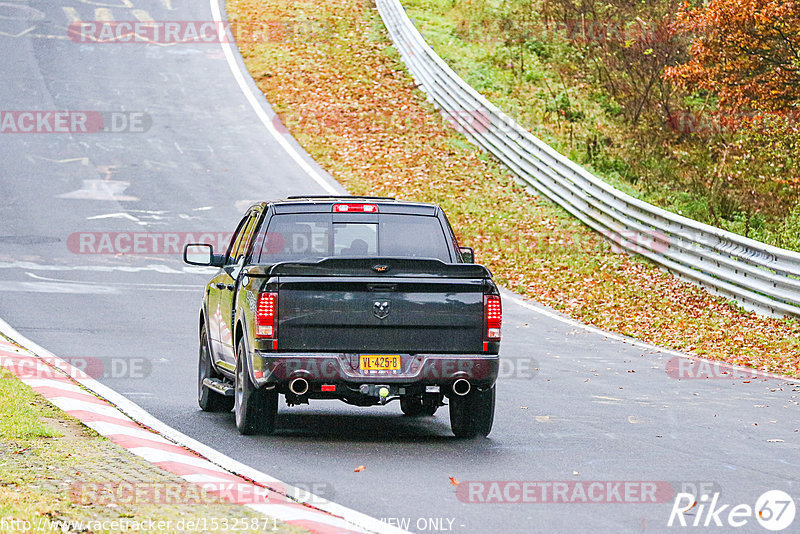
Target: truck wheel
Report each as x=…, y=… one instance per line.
x=429, y=408
x=412, y=406
x=209, y=401
x=256, y=409
x=416, y=406
x=473, y=414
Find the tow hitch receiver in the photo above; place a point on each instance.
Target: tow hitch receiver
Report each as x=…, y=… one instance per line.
x=384, y=393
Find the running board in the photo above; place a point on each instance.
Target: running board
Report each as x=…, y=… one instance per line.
x=223, y=388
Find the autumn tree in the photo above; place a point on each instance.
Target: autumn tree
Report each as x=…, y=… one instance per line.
x=628, y=45
x=747, y=52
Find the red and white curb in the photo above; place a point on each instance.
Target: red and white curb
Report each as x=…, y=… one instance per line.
x=128, y=425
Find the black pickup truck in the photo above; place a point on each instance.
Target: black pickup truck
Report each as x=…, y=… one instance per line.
x=361, y=299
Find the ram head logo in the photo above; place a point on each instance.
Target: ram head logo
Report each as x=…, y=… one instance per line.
x=381, y=309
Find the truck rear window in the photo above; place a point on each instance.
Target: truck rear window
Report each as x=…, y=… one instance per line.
x=313, y=236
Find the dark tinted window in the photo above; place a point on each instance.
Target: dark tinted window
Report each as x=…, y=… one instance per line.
x=313, y=236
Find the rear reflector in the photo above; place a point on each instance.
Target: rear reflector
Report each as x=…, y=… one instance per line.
x=494, y=316
x=266, y=314
x=328, y=387
x=358, y=208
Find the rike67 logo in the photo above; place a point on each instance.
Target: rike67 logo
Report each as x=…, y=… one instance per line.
x=774, y=510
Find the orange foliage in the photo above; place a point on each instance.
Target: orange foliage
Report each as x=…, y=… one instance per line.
x=745, y=51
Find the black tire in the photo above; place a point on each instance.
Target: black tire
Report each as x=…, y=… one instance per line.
x=473, y=414
x=412, y=406
x=209, y=401
x=429, y=409
x=256, y=409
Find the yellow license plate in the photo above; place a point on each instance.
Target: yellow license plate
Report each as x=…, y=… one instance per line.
x=380, y=362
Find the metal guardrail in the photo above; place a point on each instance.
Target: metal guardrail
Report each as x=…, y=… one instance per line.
x=758, y=276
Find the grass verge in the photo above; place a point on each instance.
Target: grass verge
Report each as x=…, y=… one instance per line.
x=51, y=469
x=342, y=91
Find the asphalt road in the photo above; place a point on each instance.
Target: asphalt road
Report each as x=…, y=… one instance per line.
x=573, y=405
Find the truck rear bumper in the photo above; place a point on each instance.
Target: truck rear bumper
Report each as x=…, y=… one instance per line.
x=279, y=369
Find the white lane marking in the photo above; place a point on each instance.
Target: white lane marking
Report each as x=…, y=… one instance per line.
x=83, y=161
x=103, y=14
x=101, y=190
x=157, y=456
x=227, y=49
x=54, y=287
x=122, y=3
x=80, y=289
x=150, y=212
x=72, y=14
x=142, y=15
x=132, y=285
x=121, y=215
x=58, y=383
x=111, y=429
x=68, y=404
x=65, y=404
x=353, y=518
x=201, y=478
x=20, y=34
x=162, y=269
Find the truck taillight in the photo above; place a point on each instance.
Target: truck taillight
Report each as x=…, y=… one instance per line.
x=266, y=315
x=360, y=208
x=493, y=310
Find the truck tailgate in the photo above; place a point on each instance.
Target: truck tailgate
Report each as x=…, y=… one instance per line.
x=407, y=315
x=383, y=305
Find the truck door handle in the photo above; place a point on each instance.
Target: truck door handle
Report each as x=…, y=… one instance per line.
x=223, y=286
x=230, y=288
x=220, y=286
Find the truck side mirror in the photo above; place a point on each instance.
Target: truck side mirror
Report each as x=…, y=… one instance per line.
x=467, y=254
x=202, y=254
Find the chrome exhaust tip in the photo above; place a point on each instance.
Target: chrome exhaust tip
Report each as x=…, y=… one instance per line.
x=461, y=387
x=299, y=386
